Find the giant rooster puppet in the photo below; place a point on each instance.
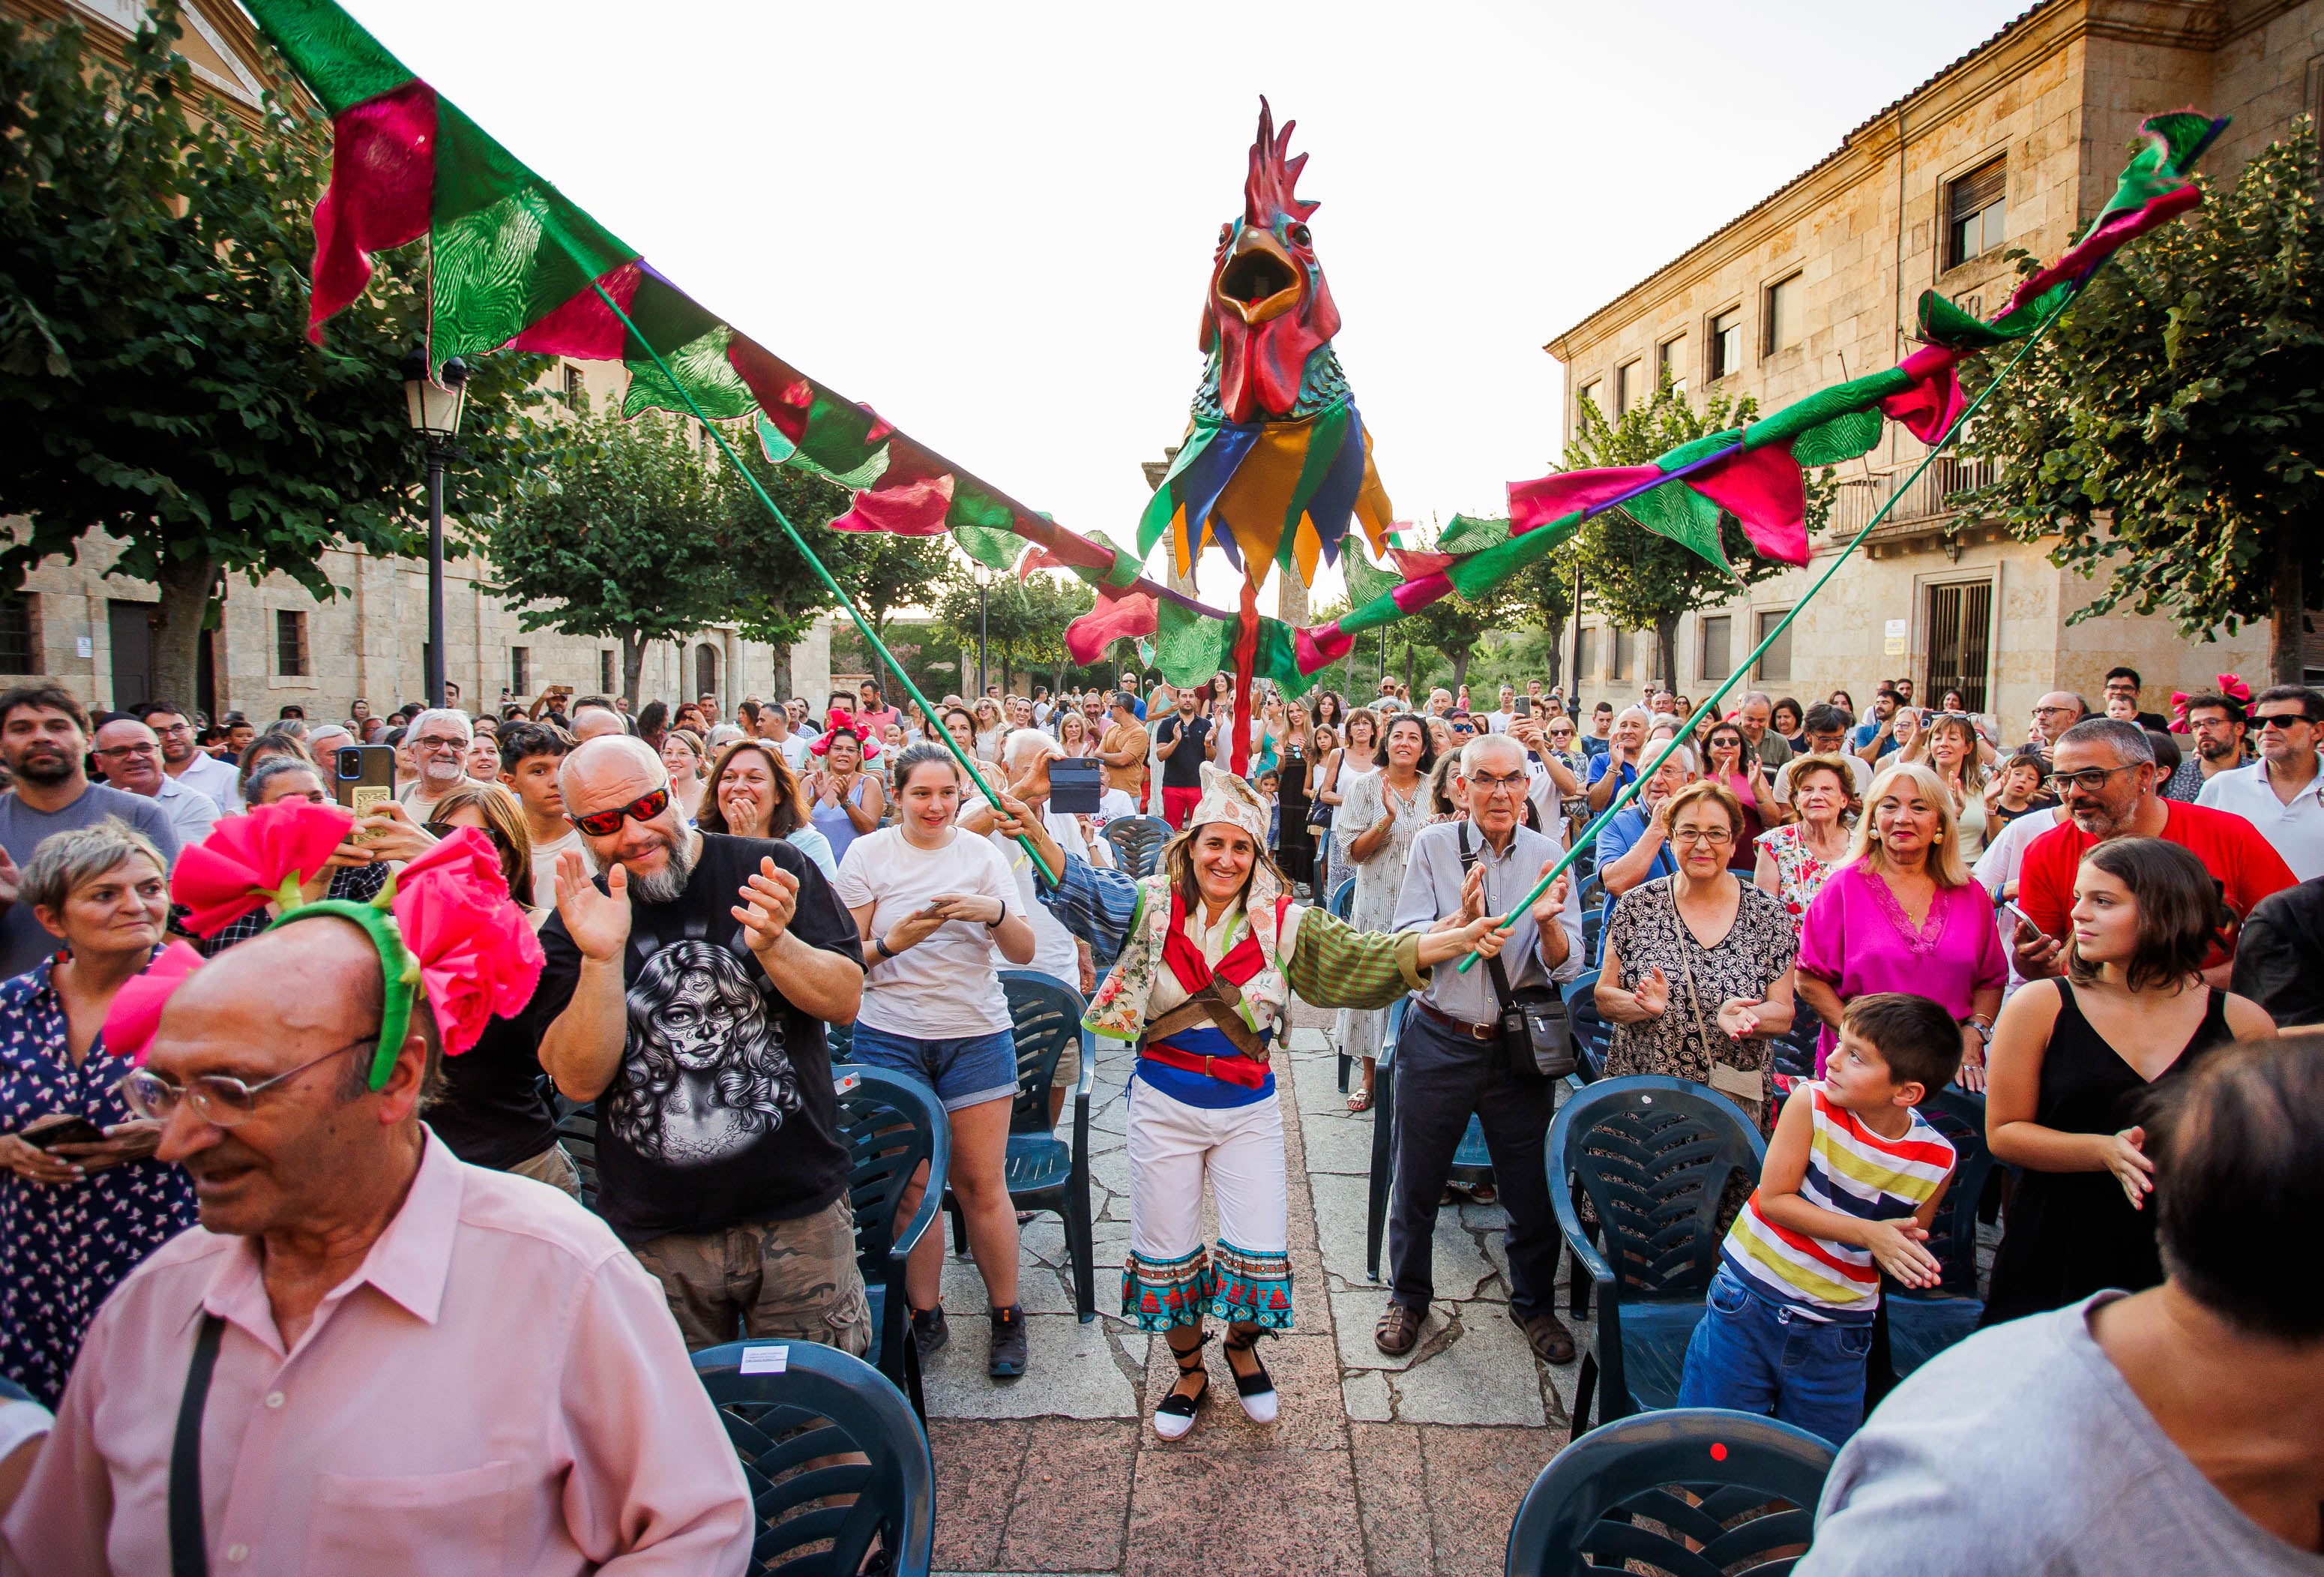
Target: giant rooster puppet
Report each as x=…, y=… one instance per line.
x=1276, y=461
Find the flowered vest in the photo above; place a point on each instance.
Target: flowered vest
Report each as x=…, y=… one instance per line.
x=1119, y=1012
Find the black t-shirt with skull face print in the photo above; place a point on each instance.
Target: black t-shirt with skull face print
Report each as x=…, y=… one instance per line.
x=723, y=1112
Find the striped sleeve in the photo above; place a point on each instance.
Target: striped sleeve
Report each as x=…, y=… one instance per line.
x=1098, y=906
x=1334, y=965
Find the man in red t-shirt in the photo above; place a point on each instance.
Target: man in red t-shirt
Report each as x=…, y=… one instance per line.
x=2105, y=768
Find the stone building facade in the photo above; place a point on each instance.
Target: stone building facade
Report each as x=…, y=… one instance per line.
x=2016, y=144
x=78, y=625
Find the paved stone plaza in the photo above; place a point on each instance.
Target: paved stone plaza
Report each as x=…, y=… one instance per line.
x=1406, y=1466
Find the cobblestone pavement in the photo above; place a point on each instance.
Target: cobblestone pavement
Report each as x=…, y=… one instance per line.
x=1406, y=1467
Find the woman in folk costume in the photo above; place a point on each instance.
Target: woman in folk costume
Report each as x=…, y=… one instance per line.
x=1206, y=954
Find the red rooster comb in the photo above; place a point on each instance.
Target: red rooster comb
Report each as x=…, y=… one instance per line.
x=1272, y=187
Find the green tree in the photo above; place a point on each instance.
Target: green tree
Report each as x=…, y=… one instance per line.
x=1024, y=621
x=153, y=358
x=2167, y=430
x=621, y=530
x=883, y=572
x=1544, y=590
x=1643, y=581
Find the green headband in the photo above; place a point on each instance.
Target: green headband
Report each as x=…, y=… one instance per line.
x=399, y=969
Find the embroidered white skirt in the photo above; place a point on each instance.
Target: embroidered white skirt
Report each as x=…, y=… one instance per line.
x=1171, y=1277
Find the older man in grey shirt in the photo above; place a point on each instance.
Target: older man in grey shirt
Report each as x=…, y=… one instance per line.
x=1451, y=1059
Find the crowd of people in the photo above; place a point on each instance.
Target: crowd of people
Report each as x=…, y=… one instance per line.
x=1823, y=917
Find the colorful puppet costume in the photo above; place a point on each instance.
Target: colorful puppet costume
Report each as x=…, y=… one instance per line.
x=1199, y=992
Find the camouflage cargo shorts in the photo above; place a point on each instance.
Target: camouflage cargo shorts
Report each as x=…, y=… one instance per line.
x=789, y=1280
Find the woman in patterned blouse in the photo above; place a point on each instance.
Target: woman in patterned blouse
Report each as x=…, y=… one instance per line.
x=1795, y=859
x=75, y=1217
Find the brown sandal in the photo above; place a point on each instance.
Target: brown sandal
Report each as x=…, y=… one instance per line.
x=1398, y=1330
x=1547, y=1335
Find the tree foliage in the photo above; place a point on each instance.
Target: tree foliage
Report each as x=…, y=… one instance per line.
x=619, y=530
x=1642, y=581
x=2167, y=429
x=154, y=369
x=1024, y=620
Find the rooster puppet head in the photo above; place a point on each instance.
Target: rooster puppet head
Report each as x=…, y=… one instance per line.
x=1269, y=308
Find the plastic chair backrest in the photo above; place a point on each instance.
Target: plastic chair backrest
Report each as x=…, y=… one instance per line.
x=1137, y=841
x=1608, y=1500
x=1045, y=1014
x=1343, y=899
x=889, y=1122
x=1655, y=1155
x=1593, y=1036
x=821, y=1404
x=1960, y=1116
x=576, y=1130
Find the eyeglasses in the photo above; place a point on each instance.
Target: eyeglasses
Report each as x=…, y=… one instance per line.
x=2262, y=722
x=1488, y=782
x=117, y=752
x=604, y=824
x=437, y=742
x=2090, y=779
x=1717, y=837
x=218, y=1098
x=167, y=729
x=2055, y=711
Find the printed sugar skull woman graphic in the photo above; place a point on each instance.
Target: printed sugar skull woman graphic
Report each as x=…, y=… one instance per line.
x=707, y=1069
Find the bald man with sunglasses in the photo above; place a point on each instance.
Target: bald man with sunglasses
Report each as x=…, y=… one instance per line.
x=686, y=992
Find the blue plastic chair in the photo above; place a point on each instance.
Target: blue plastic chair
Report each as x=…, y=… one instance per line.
x=1654, y=1155
x=821, y=1404
x=1593, y=901
x=1137, y=843
x=576, y=1130
x=1043, y=1172
x=1750, y=1487
x=1922, y=1325
x=890, y=1122
x=1593, y=1036
x=1342, y=905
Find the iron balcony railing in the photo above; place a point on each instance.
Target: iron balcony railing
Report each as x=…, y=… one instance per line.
x=1931, y=495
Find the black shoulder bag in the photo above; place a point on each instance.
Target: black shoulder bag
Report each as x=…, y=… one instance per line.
x=1536, y=1037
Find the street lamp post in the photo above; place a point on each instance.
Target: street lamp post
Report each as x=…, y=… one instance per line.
x=433, y=406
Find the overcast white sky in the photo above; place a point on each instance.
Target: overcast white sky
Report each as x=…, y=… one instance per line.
x=993, y=222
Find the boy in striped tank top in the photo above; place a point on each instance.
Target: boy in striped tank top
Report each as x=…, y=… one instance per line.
x=1853, y=1176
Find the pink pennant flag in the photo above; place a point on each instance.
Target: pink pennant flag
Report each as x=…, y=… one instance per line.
x=1554, y=497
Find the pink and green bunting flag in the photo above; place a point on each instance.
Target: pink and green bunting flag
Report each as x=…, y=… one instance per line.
x=514, y=264
x=1757, y=472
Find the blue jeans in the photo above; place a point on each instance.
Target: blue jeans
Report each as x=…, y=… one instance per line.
x=1756, y=1355
x=964, y=1071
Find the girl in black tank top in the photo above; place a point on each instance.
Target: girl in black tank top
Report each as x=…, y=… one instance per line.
x=2068, y=1234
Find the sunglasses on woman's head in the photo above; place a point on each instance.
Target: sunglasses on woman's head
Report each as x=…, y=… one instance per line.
x=604, y=824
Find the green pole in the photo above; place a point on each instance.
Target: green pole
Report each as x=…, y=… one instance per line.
x=1621, y=801
x=870, y=637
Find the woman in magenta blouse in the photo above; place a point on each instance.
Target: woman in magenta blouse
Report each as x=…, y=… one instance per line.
x=1902, y=913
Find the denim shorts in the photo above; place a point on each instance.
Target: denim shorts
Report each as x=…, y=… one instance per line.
x=967, y=1070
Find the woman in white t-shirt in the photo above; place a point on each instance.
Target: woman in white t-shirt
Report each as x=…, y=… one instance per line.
x=936, y=904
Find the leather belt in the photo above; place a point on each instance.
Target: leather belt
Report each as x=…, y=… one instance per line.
x=1458, y=1026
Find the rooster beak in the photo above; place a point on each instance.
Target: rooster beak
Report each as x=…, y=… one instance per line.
x=1260, y=279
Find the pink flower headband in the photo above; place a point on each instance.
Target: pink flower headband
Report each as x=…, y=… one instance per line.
x=444, y=926
x=2231, y=686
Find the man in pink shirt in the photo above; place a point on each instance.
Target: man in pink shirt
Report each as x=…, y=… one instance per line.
x=420, y=1366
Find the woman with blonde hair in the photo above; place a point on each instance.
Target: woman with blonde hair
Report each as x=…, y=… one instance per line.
x=1074, y=733
x=1952, y=749
x=496, y=812
x=989, y=727
x=682, y=751
x=1902, y=913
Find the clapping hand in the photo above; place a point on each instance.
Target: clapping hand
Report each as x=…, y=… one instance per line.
x=1738, y=1017
x=11, y=878
x=1897, y=1245
x=1472, y=892
x=770, y=898
x=598, y=922
x=1550, y=907
x=1653, y=993
x=2127, y=1157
